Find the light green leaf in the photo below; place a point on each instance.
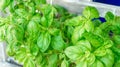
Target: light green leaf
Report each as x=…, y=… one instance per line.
x=64, y=63
x=97, y=63
x=77, y=34
x=29, y=63
x=100, y=51
x=73, y=52
x=108, y=59
x=90, y=12
x=82, y=64
x=84, y=43
x=89, y=26
x=14, y=32
x=43, y=41
x=53, y=60
x=48, y=15
x=79, y=20
x=33, y=30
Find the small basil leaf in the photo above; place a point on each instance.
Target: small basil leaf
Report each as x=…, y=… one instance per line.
x=64, y=63
x=109, y=16
x=29, y=63
x=89, y=26
x=90, y=12
x=77, y=33
x=53, y=60
x=58, y=42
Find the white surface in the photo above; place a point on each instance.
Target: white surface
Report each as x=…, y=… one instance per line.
x=3, y=56
x=5, y=64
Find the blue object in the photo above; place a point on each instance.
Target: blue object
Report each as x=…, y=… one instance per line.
x=112, y=2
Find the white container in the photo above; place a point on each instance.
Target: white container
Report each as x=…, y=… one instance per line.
x=78, y=6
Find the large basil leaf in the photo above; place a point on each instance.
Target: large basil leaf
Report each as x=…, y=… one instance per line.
x=33, y=30
x=43, y=41
x=73, y=52
x=48, y=15
x=76, y=52
x=14, y=33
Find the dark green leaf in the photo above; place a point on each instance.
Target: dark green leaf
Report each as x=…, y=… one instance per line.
x=109, y=16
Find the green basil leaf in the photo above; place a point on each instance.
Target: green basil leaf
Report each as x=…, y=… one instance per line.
x=108, y=59
x=89, y=26
x=29, y=63
x=38, y=2
x=2, y=33
x=33, y=30
x=90, y=59
x=116, y=39
x=79, y=20
x=70, y=31
x=4, y=4
x=82, y=63
x=38, y=59
x=64, y=63
x=95, y=40
x=54, y=31
x=53, y=60
x=34, y=49
x=21, y=55
x=109, y=16
x=48, y=15
x=77, y=33
x=100, y=51
x=73, y=52
x=90, y=12
x=14, y=32
x=97, y=63
x=117, y=64
x=57, y=42
x=84, y=43
x=43, y=41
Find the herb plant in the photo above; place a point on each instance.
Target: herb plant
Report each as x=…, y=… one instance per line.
x=44, y=35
